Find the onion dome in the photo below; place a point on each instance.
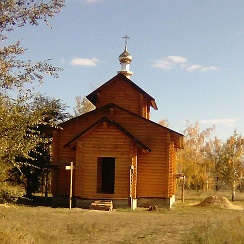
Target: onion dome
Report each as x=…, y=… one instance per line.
x=125, y=57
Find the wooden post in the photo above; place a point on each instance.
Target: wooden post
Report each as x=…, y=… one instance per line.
x=182, y=190
x=46, y=186
x=131, y=187
x=71, y=167
x=181, y=176
x=71, y=181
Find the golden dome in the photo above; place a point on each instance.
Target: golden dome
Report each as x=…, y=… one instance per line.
x=125, y=57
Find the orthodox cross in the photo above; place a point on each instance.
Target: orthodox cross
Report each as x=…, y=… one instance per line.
x=126, y=37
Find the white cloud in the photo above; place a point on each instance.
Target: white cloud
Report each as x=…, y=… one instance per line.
x=84, y=61
x=91, y=1
x=211, y=68
x=163, y=64
x=179, y=62
x=177, y=59
x=228, y=122
x=202, y=68
x=194, y=67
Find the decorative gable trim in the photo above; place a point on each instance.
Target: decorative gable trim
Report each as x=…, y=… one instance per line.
x=92, y=97
x=72, y=143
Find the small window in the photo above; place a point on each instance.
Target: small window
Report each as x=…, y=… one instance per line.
x=105, y=175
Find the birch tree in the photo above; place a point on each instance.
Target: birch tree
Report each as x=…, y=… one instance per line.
x=192, y=161
x=83, y=105
x=233, y=161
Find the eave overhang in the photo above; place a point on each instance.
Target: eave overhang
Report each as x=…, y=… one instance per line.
x=72, y=143
x=92, y=97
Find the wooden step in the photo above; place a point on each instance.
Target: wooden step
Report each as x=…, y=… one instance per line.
x=106, y=205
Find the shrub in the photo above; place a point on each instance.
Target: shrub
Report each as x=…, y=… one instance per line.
x=9, y=193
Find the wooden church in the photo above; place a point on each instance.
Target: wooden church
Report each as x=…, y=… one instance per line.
x=118, y=152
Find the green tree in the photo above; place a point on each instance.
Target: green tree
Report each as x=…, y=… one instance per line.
x=15, y=72
x=16, y=137
x=30, y=170
x=18, y=134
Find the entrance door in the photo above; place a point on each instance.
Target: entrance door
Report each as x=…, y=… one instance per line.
x=105, y=175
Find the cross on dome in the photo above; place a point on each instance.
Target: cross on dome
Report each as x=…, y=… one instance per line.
x=125, y=59
x=126, y=37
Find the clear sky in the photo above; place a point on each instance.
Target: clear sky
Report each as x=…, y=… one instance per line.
x=187, y=54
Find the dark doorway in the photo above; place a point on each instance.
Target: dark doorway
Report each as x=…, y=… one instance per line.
x=105, y=175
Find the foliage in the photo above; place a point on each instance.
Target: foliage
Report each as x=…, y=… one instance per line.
x=17, y=137
x=83, y=105
x=229, y=160
x=206, y=161
x=17, y=13
x=31, y=169
x=192, y=161
x=21, y=121
x=233, y=158
x=164, y=122
x=9, y=193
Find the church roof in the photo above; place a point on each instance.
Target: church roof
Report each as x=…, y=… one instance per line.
x=92, y=97
x=107, y=107
x=109, y=121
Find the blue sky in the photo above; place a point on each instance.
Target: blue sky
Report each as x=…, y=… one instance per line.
x=188, y=55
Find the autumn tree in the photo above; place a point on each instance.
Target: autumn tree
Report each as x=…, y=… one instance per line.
x=232, y=165
x=83, y=105
x=192, y=161
x=164, y=122
x=214, y=152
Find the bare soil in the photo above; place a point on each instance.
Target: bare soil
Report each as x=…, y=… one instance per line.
x=219, y=202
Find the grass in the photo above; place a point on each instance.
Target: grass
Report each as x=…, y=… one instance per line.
x=184, y=224
x=225, y=231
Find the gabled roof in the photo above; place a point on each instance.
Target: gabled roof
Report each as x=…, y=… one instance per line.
x=109, y=105
x=92, y=97
x=109, y=121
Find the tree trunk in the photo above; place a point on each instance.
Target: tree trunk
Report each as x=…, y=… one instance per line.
x=28, y=183
x=233, y=191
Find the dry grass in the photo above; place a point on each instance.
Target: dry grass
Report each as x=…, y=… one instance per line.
x=22, y=224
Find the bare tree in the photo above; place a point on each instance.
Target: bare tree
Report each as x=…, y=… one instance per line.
x=83, y=105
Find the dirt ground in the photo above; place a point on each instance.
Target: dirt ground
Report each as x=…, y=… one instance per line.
x=22, y=224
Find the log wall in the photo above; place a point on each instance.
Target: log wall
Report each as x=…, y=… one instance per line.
x=122, y=94
x=153, y=168
x=103, y=141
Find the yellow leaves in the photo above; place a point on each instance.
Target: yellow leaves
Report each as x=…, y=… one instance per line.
x=204, y=158
x=193, y=161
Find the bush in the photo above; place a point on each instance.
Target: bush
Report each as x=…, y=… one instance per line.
x=9, y=193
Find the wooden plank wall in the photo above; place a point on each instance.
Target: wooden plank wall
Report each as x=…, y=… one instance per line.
x=122, y=94
x=152, y=167
x=103, y=141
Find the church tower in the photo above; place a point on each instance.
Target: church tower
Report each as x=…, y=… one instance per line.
x=125, y=59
